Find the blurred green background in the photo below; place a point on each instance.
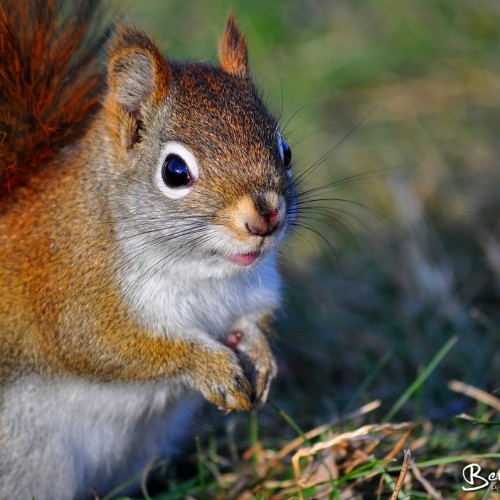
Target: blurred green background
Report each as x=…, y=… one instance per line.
x=408, y=95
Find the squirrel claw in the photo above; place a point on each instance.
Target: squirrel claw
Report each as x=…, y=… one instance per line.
x=256, y=359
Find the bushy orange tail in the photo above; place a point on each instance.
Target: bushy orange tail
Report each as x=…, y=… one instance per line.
x=50, y=79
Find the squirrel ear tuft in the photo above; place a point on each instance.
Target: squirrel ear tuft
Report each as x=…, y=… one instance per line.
x=138, y=73
x=233, y=54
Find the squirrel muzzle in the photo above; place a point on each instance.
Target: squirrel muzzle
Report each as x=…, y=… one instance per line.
x=254, y=217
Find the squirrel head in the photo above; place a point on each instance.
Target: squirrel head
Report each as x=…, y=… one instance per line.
x=201, y=174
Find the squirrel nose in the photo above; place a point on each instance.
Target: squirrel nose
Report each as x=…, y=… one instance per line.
x=263, y=225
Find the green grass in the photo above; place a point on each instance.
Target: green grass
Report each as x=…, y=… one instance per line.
x=416, y=261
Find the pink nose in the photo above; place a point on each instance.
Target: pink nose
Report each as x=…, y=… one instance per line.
x=263, y=225
x=273, y=214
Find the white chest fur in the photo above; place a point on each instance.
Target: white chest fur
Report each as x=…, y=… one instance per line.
x=182, y=303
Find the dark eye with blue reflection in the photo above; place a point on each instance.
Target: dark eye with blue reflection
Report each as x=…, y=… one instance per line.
x=285, y=152
x=175, y=172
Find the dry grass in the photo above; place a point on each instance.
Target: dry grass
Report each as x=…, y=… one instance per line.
x=345, y=459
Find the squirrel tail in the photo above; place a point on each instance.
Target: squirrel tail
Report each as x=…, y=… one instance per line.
x=51, y=81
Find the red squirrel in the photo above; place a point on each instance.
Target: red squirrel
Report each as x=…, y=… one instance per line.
x=140, y=213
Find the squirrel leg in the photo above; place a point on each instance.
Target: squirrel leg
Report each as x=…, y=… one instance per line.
x=201, y=362
x=249, y=340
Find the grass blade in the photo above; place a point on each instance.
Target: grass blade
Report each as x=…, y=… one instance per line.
x=421, y=378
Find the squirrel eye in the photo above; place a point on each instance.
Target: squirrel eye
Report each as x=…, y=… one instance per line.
x=175, y=172
x=285, y=152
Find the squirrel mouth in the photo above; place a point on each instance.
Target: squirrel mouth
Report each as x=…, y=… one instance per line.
x=242, y=259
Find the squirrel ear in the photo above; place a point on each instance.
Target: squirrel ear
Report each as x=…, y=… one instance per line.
x=233, y=54
x=138, y=73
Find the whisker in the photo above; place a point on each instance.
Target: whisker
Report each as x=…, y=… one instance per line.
x=332, y=211
x=339, y=221
x=136, y=252
x=164, y=262
x=375, y=213
x=283, y=129
x=317, y=233
x=369, y=175
x=304, y=175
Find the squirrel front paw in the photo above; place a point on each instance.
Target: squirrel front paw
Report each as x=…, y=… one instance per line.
x=256, y=358
x=222, y=381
